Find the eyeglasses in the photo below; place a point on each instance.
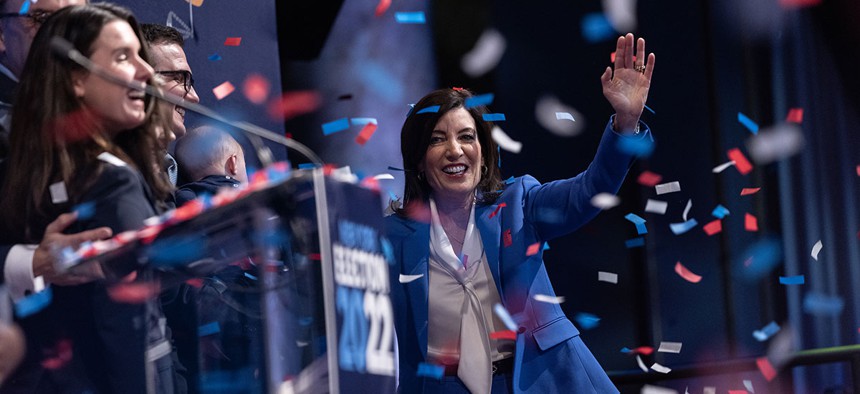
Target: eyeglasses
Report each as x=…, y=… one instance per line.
x=37, y=18
x=183, y=77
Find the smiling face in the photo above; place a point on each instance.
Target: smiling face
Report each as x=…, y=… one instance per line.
x=170, y=57
x=116, y=50
x=453, y=160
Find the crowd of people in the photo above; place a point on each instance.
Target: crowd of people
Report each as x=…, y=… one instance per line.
x=87, y=139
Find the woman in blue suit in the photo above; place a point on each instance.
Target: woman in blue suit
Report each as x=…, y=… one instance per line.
x=465, y=235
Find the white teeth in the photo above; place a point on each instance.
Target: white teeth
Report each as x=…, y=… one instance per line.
x=454, y=169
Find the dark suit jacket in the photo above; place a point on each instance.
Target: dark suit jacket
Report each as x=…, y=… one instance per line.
x=549, y=355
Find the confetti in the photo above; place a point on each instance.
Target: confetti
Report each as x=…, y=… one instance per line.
x=638, y=221
x=493, y=117
x=505, y=317
x=548, y=299
x=61, y=354
x=621, y=14
x=233, y=41
x=641, y=364
x=688, y=275
x=409, y=278
x=765, y=368
x=428, y=110
x=479, y=100
x=816, y=249
x=795, y=115
x=709, y=390
x=564, y=116
x=382, y=7
x=504, y=141
x=763, y=256
x=792, y=280
x=214, y=57
x=416, y=17
x=58, y=192
x=656, y=206
x=649, y=179
x=365, y=134
x=720, y=168
x=738, y=392
x=533, y=249
x=635, y=242
x=431, y=370
x=335, y=126
x=741, y=163
x=687, y=209
x=292, y=104
x=223, y=90
x=85, y=210
x=670, y=187
x=766, y=332
x=596, y=27
x=498, y=208
x=506, y=334
x=749, y=190
x=776, y=143
x=750, y=222
x=25, y=6
x=605, y=201
x=670, y=347
x=134, y=293
x=485, y=55
x=683, y=227
x=607, y=277
x=256, y=88
x=208, y=329
x=586, y=321
x=557, y=117
x=643, y=350
x=196, y=3
x=713, y=227
x=748, y=123
x=33, y=303
x=798, y=3
x=659, y=368
x=381, y=177
x=822, y=305
x=649, y=389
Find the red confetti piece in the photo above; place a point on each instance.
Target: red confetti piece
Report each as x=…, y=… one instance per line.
x=750, y=222
x=61, y=354
x=134, y=293
x=457, y=88
x=533, y=249
x=418, y=211
x=382, y=7
x=196, y=283
x=256, y=88
x=795, y=115
x=798, y=3
x=292, y=104
x=649, y=179
x=738, y=392
x=508, y=238
x=233, y=41
x=643, y=350
x=766, y=368
x=223, y=90
x=498, y=208
x=688, y=275
x=612, y=57
x=365, y=134
x=858, y=170
x=749, y=190
x=741, y=163
x=713, y=227
x=506, y=334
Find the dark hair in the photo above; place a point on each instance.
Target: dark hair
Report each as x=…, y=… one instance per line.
x=55, y=138
x=155, y=34
x=415, y=138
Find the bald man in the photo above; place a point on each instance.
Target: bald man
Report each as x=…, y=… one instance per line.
x=212, y=159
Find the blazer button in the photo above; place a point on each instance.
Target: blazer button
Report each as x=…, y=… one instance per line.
x=521, y=329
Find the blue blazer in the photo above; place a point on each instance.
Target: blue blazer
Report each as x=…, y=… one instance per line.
x=549, y=356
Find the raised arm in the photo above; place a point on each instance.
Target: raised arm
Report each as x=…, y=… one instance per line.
x=626, y=86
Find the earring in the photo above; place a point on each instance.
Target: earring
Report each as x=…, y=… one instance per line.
x=484, y=169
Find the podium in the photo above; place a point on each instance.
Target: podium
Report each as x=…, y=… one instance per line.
x=284, y=290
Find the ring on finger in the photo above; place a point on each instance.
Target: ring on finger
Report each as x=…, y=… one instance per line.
x=640, y=68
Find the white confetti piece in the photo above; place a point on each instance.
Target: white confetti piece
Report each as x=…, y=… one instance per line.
x=776, y=143
x=816, y=249
x=485, y=55
x=564, y=116
x=766, y=332
x=383, y=177
x=687, y=209
x=552, y=114
x=720, y=168
x=548, y=299
x=505, y=317
x=641, y=364
x=709, y=390
x=656, y=206
x=605, y=201
x=670, y=347
x=506, y=142
x=58, y=193
x=649, y=389
x=670, y=187
x=749, y=386
x=621, y=14
x=607, y=277
x=409, y=278
x=659, y=368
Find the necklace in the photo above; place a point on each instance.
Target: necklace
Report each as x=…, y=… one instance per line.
x=459, y=241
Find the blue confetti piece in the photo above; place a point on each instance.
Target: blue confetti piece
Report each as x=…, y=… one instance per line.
x=475, y=101
x=586, y=321
x=306, y=321
x=595, y=27
x=249, y=276
x=429, y=110
x=792, y=280
x=208, y=329
x=335, y=126
x=410, y=17
x=766, y=332
x=387, y=250
x=822, y=305
x=680, y=228
x=499, y=155
x=25, y=7
x=307, y=166
x=431, y=370
x=392, y=196
x=378, y=77
x=636, y=146
x=650, y=110
x=759, y=259
x=748, y=123
x=641, y=229
x=33, y=303
x=362, y=121
x=395, y=168
x=509, y=180
x=177, y=251
x=720, y=212
x=545, y=246
x=493, y=117
x=85, y=210
x=634, y=218
x=214, y=57
x=635, y=242
x=505, y=317
x=625, y=350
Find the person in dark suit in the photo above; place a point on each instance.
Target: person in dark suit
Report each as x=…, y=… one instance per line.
x=473, y=252
x=87, y=141
x=212, y=160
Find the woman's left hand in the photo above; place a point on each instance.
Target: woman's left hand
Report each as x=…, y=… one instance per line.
x=626, y=87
